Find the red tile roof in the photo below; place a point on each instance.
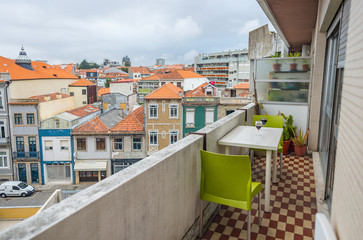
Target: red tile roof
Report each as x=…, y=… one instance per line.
x=242, y=86
x=181, y=74
x=95, y=126
x=83, y=111
x=152, y=77
x=142, y=70
x=198, y=91
x=53, y=96
x=167, y=91
x=134, y=122
x=103, y=91
x=82, y=83
x=41, y=71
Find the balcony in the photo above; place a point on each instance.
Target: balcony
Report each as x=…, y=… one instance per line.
x=26, y=155
x=158, y=198
x=4, y=140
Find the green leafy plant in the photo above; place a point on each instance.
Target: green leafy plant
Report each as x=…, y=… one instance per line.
x=288, y=128
x=276, y=55
x=293, y=55
x=300, y=139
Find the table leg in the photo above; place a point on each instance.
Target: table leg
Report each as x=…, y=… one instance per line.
x=274, y=167
x=268, y=181
x=227, y=150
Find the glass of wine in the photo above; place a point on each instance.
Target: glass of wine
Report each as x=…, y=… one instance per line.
x=258, y=125
x=264, y=120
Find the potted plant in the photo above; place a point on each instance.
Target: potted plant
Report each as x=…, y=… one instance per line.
x=299, y=141
x=305, y=66
x=288, y=132
x=293, y=66
x=276, y=66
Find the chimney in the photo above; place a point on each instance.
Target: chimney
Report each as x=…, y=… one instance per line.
x=58, y=95
x=47, y=98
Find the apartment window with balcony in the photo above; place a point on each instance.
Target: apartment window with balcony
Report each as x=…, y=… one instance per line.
x=173, y=136
x=117, y=144
x=20, y=144
x=100, y=144
x=64, y=145
x=136, y=143
x=4, y=160
x=18, y=119
x=30, y=120
x=153, y=111
x=153, y=138
x=32, y=144
x=81, y=144
x=173, y=111
x=209, y=115
x=190, y=117
x=2, y=129
x=48, y=145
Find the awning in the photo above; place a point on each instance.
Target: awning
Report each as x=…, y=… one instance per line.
x=90, y=165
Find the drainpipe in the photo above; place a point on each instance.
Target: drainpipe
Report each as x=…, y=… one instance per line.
x=9, y=131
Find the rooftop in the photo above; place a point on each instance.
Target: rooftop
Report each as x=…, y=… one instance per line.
x=134, y=122
x=83, y=111
x=95, y=126
x=103, y=91
x=82, y=83
x=52, y=96
x=180, y=74
x=242, y=86
x=167, y=91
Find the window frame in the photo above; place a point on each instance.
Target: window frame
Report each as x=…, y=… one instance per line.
x=2, y=105
x=189, y=124
x=84, y=92
x=118, y=142
x=64, y=147
x=81, y=141
x=172, y=135
x=97, y=141
x=153, y=143
x=28, y=118
x=20, y=143
x=48, y=148
x=2, y=129
x=4, y=159
x=133, y=144
x=176, y=109
x=207, y=110
x=155, y=108
x=17, y=118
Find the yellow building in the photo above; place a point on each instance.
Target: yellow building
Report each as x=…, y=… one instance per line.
x=84, y=92
x=163, y=117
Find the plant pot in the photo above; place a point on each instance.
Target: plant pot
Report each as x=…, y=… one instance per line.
x=291, y=148
x=293, y=66
x=300, y=150
x=285, y=147
x=305, y=67
x=276, y=67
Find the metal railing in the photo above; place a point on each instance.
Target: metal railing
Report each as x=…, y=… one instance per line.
x=26, y=155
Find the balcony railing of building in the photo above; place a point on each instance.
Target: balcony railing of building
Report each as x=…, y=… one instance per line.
x=26, y=155
x=4, y=140
x=155, y=198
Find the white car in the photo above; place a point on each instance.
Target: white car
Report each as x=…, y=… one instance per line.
x=15, y=188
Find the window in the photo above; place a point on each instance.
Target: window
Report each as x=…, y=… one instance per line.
x=153, y=111
x=178, y=84
x=84, y=102
x=48, y=145
x=18, y=119
x=118, y=166
x=153, y=138
x=64, y=144
x=162, y=83
x=81, y=144
x=84, y=92
x=3, y=160
x=100, y=144
x=173, y=136
x=209, y=115
x=190, y=117
x=2, y=129
x=1, y=100
x=30, y=119
x=71, y=94
x=117, y=144
x=173, y=111
x=32, y=144
x=57, y=123
x=136, y=143
x=229, y=112
x=20, y=144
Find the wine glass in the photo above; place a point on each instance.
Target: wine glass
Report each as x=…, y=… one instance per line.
x=258, y=125
x=264, y=120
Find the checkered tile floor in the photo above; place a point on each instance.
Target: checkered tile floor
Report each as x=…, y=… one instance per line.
x=293, y=204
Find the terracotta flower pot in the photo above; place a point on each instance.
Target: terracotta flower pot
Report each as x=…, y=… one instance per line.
x=276, y=67
x=305, y=67
x=300, y=150
x=293, y=66
x=285, y=147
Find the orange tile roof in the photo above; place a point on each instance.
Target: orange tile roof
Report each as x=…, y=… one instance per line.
x=142, y=70
x=134, y=122
x=82, y=83
x=198, y=91
x=41, y=71
x=83, y=111
x=95, y=126
x=152, y=77
x=66, y=67
x=51, y=95
x=103, y=91
x=167, y=91
x=127, y=80
x=242, y=86
x=181, y=74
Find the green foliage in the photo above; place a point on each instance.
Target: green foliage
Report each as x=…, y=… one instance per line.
x=107, y=84
x=294, y=54
x=288, y=128
x=300, y=139
x=276, y=55
x=127, y=64
x=125, y=69
x=86, y=65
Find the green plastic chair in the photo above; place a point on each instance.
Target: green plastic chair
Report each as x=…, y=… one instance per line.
x=273, y=122
x=226, y=179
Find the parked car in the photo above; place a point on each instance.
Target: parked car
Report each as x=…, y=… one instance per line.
x=15, y=188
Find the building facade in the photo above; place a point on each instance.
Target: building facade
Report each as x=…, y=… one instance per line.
x=84, y=92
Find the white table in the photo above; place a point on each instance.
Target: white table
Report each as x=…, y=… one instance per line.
x=269, y=138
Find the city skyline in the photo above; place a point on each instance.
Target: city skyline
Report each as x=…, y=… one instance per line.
x=178, y=31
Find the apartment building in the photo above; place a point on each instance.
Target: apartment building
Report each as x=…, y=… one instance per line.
x=84, y=92
x=138, y=72
x=186, y=80
x=163, y=122
x=224, y=68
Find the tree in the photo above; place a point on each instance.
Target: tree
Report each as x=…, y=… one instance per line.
x=84, y=65
x=107, y=84
x=125, y=69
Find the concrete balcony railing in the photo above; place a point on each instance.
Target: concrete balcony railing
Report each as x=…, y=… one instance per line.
x=156, y=198
x=4, y=140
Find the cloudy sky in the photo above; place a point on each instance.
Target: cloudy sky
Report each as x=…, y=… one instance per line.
x=72, y=30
